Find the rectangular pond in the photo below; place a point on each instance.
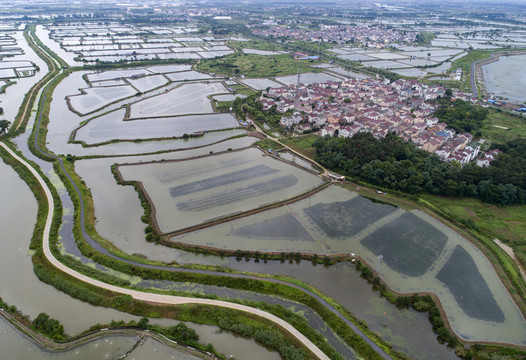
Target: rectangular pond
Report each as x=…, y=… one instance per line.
x=112, y=127
x=187, y=193
x=185, y=99
x=419, y=254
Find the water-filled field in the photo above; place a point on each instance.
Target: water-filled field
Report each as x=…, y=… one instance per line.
x=96, y=98
x=148, y=83
x=188, y=75
x=260, y=84
x=262, y=52
x=289, y=156
x=186, y=99
x=111, y=126
x=116, y=74
x=187, y=193
x=118, y=210
x=419, y=254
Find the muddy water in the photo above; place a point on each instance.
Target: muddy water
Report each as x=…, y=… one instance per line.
x=19, y=285
x=187, y=193
x=118, y=210
x=408, y=330
x=506, y=78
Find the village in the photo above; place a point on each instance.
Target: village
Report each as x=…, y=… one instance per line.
x=346, y=108
x=373, y=36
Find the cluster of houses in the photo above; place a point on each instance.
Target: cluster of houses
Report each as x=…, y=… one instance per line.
x=372, y=105
x=374, y=36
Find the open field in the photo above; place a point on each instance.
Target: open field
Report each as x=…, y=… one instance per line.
x=302, y=144
x=501, y=126
x=252, y=65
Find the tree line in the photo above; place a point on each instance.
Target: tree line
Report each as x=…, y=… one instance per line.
x=392, y=163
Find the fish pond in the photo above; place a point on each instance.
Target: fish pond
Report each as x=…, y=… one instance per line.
x=412, y=251
x=186, y=193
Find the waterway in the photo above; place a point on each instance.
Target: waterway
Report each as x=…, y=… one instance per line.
x=20, y=286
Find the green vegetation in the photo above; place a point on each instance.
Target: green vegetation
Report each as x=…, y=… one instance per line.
x=460, y=115
x=256, y=66
x=425, y=38
x=256, y=44
x=505, y=223
x=49, y=327
x=465, y=64
x=4, y=87
x=302, y=144
x=4, y=126
x=501, y=126
x=394, y=164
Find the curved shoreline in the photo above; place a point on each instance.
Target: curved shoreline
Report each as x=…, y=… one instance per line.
x=46, y=344
x=149, y=297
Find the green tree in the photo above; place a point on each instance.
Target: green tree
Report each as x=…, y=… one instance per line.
x=4, y=126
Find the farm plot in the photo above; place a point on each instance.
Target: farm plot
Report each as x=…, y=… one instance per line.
x=188, y=75
x=94, y=99
x=346, y=218
x=307, y=79
x=164, y=69
x=148, y=83
x=111, y=127
x=116, y=74
x=408, y=244
x=275, y=230
x=185, y=99
x=260, y=84
x=188, y=193
x=463, y=279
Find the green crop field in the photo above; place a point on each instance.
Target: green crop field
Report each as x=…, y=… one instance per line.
x=256, y=66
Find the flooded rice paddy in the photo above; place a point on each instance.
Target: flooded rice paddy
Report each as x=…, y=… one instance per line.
x=148, y=83
x=186, y=99
x=106, y=122
x=419, y=254
x=187, y=193
x=307, y=78
x=112, y=126
x=93, y=99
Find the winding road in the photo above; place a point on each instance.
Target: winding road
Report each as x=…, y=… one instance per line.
x=149, y=297
x=158, y=298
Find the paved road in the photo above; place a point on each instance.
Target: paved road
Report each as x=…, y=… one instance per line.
x=143, y=296
x=165, y=298
x=103, y=250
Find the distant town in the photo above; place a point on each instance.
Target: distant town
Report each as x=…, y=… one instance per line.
x=377, y=106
